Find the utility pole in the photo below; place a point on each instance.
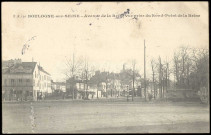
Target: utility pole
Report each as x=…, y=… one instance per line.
x=145, y=72
x=73, y=75
x=133, y=80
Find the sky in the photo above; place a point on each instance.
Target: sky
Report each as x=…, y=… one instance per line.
x=106, y=42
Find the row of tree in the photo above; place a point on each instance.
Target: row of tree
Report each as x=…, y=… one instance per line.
x=189, y=69
x=80, y=68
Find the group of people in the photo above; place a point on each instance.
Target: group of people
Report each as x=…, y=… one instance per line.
x=40, y=96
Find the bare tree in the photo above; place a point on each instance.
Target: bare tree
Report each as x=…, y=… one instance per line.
x=73, y=69
x=199, y=79
x=182, y=67
x=86, y=71
x=153, y=75
x=134, y=65
x=160, y=77
x=86, y=74
x=184, y=56
x=176, y=66
x=167, y=74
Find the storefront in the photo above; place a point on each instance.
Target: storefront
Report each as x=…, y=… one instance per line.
x=17, y=93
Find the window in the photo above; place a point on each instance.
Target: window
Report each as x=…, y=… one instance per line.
x=12, y=82
x=27, y=80
x=35, y=74
x=20, y=80
x=5, y=81
x=30, y=93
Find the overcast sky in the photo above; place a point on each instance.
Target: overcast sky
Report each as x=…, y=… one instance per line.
x=106, y=42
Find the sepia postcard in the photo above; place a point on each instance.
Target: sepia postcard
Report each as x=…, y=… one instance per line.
x=105, y=67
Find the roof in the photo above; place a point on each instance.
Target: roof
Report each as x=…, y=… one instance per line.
x=77, y=80
x=29, y=65
x=21, y=68
x=41, y=69
x=59, y=83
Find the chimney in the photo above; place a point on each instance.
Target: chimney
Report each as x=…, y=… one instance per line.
x=123, y=67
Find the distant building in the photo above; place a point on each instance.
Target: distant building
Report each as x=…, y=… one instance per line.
x=114, y=87
x=101, y=90
x=24, y=81
x=79, y=85
x=58, y=86
x=96, y=93
x=117, y=85
x=102, y=87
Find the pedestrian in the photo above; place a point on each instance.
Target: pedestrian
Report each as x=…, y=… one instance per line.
x=43, y=96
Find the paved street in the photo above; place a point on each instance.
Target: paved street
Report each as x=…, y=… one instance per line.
x=104, y=117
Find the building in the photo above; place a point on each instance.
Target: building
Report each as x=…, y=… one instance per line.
x=9, y=63
x=117, y=87
x=78, y=85
x=58, y=86
x=96, y=93
x=42, y=81
x=25, y=81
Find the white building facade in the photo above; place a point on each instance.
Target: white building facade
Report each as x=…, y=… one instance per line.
x=25, y=81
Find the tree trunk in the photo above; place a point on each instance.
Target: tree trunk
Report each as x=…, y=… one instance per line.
x=133, y=85
x=160, y=77
x=73, y=92
x=153, y=84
